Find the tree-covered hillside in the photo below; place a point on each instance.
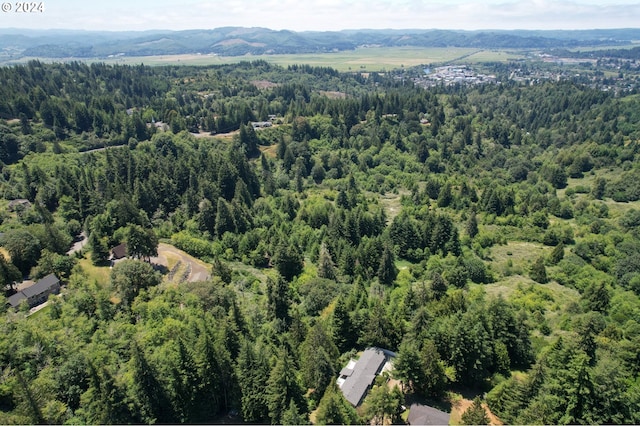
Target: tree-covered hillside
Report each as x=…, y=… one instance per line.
x=238, y=41
x=487, y=234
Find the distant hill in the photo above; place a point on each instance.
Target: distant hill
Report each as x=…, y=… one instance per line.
x=235, y=41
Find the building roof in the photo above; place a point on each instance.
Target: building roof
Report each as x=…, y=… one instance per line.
x=119, y=251
x=42, y=286
x=363, y=374
x=424, y=415
x=15, y=299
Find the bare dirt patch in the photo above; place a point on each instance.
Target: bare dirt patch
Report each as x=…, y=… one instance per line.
x=391, y=203
x=188, y=268
x=334, y=95
x=264, y=84
x=461, y=405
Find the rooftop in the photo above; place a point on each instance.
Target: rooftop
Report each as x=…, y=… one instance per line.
x=41, y=286
x=359, y=376
x=424, y=415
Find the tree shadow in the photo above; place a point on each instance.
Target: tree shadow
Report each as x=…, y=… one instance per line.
x=442, y=404
x=160, y=268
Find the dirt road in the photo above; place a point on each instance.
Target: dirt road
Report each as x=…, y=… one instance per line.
x=196, y=269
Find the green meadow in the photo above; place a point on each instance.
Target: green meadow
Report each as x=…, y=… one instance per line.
x=374, y=59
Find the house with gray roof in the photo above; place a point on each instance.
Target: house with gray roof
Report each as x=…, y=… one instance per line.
x=37, y=293
x=424, y=415
x=358, y=376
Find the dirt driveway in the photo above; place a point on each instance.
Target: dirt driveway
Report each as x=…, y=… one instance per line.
x=181, y=266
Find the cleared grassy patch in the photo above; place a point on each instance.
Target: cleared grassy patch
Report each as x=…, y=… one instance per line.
x=512, y=286
x=100, y=274
x=516, y=257
x=361, y=59
x=391, y=203
x=494, y=56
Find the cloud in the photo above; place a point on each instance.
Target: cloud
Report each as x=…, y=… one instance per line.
x=332, y=14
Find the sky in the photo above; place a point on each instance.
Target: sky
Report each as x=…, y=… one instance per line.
x=324, y=15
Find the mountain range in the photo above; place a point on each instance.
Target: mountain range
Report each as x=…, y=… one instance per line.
x=235, y=41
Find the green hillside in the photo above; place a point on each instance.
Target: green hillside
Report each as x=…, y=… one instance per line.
x=486, y=233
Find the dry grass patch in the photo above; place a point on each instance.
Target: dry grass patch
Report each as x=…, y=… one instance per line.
x=461, y=405
x=100, y=274
x=391, y=203
x=516, y=257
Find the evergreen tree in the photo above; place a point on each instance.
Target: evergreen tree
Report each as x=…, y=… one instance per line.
x=472, y=225
x=283, y=389
x=438, y=286
x=318, y=356
x=343, y=335
x=224, y=218
x=99, y=249
x=278, y=298
x=334, y=409
x=538, y=271
x=253, y=373
x=288, y=260
x=387, y=270
x=432, y=369
x=445, y=197
x=406, y=366
x=475, y=414
x=148, y=395
x=326, y=267
x=557, y=254
x=596, y=297
x=249, y=140
x=292, y=416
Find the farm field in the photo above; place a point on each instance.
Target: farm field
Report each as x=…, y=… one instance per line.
x=375, y=59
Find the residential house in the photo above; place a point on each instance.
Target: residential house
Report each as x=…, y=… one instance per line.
x=424, y=415
x=357, y=377
x=118, y=252
x=37, y=293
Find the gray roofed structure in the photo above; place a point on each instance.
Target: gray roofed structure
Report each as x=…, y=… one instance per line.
x=15, y=299
x=358, y=380
x=37, y=293
x=424, y=415
x=43, y=285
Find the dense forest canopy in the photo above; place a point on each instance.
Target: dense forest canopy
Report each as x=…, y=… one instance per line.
x=488, y=234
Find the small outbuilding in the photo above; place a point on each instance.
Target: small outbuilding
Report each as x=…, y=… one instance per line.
x=119, y=252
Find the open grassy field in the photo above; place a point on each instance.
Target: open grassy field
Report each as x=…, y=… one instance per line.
x=100, y=274
x=362, y=59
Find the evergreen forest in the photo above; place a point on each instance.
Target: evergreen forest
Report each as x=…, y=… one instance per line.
x=488, y=234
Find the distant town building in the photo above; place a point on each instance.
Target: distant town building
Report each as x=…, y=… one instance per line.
x=261, y=124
